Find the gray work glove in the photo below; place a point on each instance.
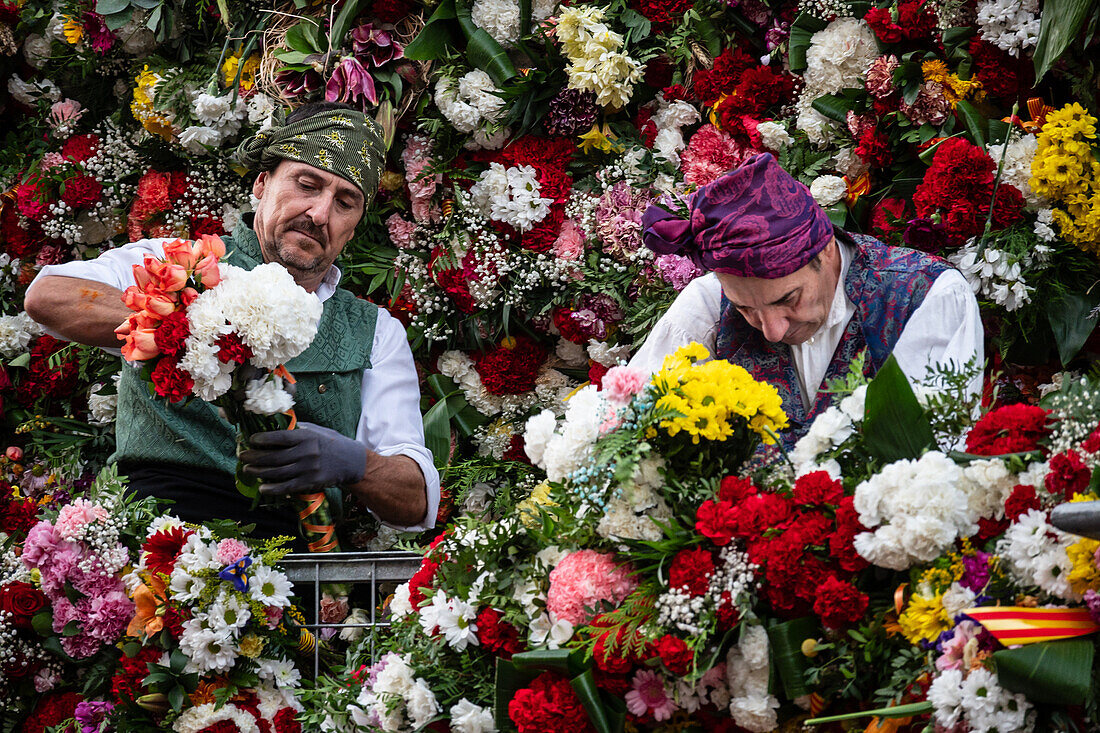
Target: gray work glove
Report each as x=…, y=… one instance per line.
x=308, y=458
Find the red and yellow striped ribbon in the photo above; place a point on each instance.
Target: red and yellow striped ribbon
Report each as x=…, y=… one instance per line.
x=1018, y=625
x=857, y=187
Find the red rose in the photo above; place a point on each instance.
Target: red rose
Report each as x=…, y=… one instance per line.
x=674, y=654
x=82, y=192
x=691, y=569
x=1068, y=474
x=839, y=603
x=1009, y=429
x=716, y=520
x=170, y=381
x=817, y=487
x=22, y=601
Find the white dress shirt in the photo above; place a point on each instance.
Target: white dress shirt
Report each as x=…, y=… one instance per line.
x=389, y=420
x=945, y=328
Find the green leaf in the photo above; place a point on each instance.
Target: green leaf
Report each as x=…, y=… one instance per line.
x=895, y=426
x=223, y=11
x=146, y=4
x=833, y=106
x=154, y=18
x=976, y=123
x=342, y=23
x=437, y=37
x=71, y=629
x=803, y=28
x=638, y=24
x=304, y=37
x=957, y=36
x=175, y=697
x=1054, y=672
x=790, y=663
x=1062, y=21
x=896, y=711
x=584, y=685
x=114, y=21
x=110, y=7
x=42, y=623
x=23, y=360
x=482, y=50
x=838, y=213
x=292, y=58
x=1071, y=324
x=437, y=432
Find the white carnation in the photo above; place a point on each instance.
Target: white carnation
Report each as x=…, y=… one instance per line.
x=828, y=190
x=16, y=334
x=499, y=18
x=267, y=396
x=774, y=136
x=198, y=139
x=466, y=717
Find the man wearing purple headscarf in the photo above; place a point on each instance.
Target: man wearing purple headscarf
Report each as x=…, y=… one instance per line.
x=794, y=299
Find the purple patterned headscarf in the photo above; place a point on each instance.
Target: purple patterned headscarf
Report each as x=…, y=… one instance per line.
x=755, y=221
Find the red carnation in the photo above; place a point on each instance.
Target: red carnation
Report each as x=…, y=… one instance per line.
x=735, y=489
x=30, y=199
x=716, y=520
x=841, y=543
x=420, y=580
x=758, y=513
x=53, y=709
x=595, y=374
x=232, y=349
x=675, y=93
x=512, y=368
x=1068, y=474
x=22, y=601
x=496, y=635
x=646, y=127
x=722, y=78
x=611, y=658
x=170, y=381
x=126, y=683
x=177, y=185
x=164, y=547
x=882, y=23
x=548, y=704
x=172, y=333
x=674, y=654
x=663, y=14
x=569, y=329
x=691, y=569
x=1022, y=500
x=817, y=487
x=873, y=148
x=758, y=89
x=286, y=721
x=1010, y=429
x=728, y=613
x=80, y=148
x=888, y=217
x=82, y=191
x=839, y=603
x=17, y=516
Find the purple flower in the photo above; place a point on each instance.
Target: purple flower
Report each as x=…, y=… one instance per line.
x=1092, y=600
x=925, y=235
x=571, y=113
x=374, y=46
x=976, y=571
x=91, y=715
x=350, y=82
x=677, y=270
x=235, y=572
x=298, y=83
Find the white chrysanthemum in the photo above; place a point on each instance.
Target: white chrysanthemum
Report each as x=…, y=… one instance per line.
x=471, y=103
x=1035, y=552
x=1018, y=153
x=828, y=430
x=208, y=650
x=1011, y=25
x=511, y=195
x=466, y=717
x=228, y=614
x=945, y=694
x=269, y=586
x=828, y=190
x=16, y=334
x=208, y=714
x=267, y=396
x=198, y=139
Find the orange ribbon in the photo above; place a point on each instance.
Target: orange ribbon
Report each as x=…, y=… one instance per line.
x=327, y=541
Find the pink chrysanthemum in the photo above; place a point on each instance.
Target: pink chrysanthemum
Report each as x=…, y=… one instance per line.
x=649, y=696
x=583, y=579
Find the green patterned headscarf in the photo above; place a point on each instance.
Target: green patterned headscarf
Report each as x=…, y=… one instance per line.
x=344, y=142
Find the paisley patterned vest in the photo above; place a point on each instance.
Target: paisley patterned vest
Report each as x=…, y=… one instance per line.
x=329, y=378
x=886, y=284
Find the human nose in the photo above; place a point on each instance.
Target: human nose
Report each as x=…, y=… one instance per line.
x=321, y=208
x=773, y=325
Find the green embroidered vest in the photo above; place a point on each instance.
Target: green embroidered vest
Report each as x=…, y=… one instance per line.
x=329, y=382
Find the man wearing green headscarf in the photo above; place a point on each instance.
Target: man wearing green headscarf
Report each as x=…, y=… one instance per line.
x=357, y=393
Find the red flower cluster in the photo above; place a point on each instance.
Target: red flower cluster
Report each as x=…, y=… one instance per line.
x=390, y=11
x=548, y=704
x=53, y=709
x=126, y=683
x=915, y=22
x=959, y=186
x=1009, y=429
x=723, y=77
x=511, y=368
x=1022, y=500
x=1003, y=76
x=22, y=601
x=17, y=516
x=496, y=635
x=663, y=14
x=1068, y=474
x=674, y=654
x=156, y=193
x=82, y=191
x=30, y=198
x=691, y=570
x=453, y=280
x=80, y=148
x=873, y=148
x=171, y=382
x=758, y=89
x=882, y=213
x=839, y=603
x=424, y=575
x=41, y=381
x=232, y=349
x=19, y=242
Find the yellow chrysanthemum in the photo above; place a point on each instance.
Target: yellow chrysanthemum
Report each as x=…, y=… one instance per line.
x=1065, y=171
x=73, y=30
x=924, y=619
x=251, y=646
x=142, y=106
x=710, y=396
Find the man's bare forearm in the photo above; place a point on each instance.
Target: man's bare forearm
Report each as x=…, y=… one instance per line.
x=393, y=487
x=84, y=311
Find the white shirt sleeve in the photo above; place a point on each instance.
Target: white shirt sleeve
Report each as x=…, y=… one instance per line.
x=390, y=422
x=693, y=316
x=946, y=328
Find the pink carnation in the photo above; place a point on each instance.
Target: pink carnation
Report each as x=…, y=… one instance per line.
x=74, y=517
x=41, y=543
x=109, y=616
x=648, y=696
x=677, y=270
x=570, y=242
x=230, y=551
x=622, y=383
x=710, y=153
x=584, y=578
x=401, y=231
x=416, y=157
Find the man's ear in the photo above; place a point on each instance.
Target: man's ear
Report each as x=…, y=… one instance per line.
x=259, y=184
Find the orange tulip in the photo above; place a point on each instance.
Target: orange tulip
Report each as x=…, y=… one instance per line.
x=139, y=334
x=209, y=244
x=207, y=272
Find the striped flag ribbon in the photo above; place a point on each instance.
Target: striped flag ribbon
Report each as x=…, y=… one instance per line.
x=1018, y=625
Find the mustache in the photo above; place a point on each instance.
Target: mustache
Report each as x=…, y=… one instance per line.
x=306, y=226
